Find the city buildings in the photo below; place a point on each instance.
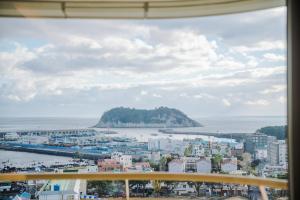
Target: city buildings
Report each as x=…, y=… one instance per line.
x=167, y=145
x=124, y=160
x=261, y=153
x=256, y=141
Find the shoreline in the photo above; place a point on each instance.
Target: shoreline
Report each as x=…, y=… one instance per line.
x=237, y=136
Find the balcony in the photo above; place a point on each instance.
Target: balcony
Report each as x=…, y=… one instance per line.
x=261, y=183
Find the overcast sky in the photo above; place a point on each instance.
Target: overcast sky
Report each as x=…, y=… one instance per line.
x=209, y=66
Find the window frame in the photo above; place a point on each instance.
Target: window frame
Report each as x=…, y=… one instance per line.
x=293, y=94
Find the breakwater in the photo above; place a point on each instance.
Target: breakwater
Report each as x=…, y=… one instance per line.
x=72, y=154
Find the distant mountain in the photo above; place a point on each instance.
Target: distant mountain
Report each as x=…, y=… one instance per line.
x=162, y=117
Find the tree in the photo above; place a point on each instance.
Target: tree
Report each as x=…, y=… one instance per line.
x=155, y=166
x=163, y=164
x=216, y=163
x=156, y=186
x=101, y=187
x=189, y=150
x=197, y=187
x=255, y=163
x=164, y=161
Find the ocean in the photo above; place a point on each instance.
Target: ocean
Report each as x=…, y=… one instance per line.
x=234, y=124
x=230, y=124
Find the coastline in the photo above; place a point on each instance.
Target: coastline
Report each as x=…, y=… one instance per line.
x=236, y=136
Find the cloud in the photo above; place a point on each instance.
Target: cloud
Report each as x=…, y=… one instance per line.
x=192, y=64
x=230, y=63
x=143, y=92
x=282, y=99
x=261, y=46
x=268, y=71
x=204, y=96
x=183, y=95
x=156, y=95
x=274, y=57
x=259, y=102
x=274, y=89
x=226, y=102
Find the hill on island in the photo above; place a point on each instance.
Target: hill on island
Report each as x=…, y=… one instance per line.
x=280, y=132
x=162, y=117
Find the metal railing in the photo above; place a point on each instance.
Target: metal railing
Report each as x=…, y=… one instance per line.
x=262, y=183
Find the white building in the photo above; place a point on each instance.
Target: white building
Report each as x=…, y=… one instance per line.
x=277, y=153
x=190, y=164
x=229, y=164
x=125, y=160
x=204, y=165
x=176, y=166
x=153, y=144
x=198, y=150
x=92, y=168
x=282, y=153
x=11, y=136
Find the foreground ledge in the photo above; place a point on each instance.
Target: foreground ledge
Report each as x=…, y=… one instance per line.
x=160, y=176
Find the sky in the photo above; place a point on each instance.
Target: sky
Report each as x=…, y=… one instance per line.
x=228, y=65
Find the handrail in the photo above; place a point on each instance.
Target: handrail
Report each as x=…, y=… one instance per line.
x=162, y=176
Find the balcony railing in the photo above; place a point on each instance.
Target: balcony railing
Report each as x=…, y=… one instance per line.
x=262, y=183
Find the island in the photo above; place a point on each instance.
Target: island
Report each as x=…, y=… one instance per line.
x=162, y=117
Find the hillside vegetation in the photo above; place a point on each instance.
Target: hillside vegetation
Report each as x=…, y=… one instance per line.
x=159, y=117
x=280, y=132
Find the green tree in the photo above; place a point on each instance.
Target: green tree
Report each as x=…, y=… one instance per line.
x=216, y=163
x=155, y=166
x=164, y=161
x=101, y=187
x=189, y=150
x=278, y=131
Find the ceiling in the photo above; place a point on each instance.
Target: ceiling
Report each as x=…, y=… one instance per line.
x=129, y=9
